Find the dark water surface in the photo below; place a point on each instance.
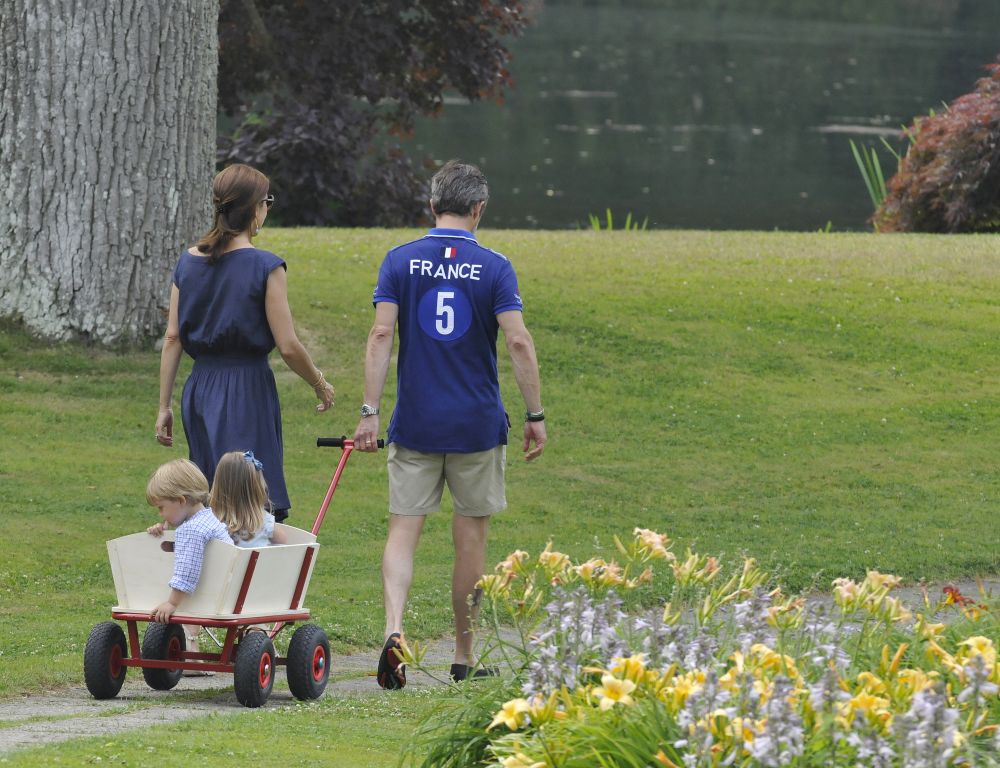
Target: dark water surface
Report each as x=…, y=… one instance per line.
x=718, y=115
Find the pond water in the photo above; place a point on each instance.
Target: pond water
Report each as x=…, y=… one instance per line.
x=719, y=114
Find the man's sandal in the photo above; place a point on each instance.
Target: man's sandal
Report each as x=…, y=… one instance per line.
x=460, y=672
x=391, y=669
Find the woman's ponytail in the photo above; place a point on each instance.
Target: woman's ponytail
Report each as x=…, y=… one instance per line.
x=236, y=193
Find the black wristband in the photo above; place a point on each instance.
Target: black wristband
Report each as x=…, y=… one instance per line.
x=539, y=416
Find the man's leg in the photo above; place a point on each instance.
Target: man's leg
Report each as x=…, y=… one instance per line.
x=397, y=567
x=469, y=535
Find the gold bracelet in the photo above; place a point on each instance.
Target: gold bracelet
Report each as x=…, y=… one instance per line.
x=319, y=380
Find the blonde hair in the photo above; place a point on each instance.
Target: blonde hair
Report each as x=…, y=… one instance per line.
x=176, y=480
x=239, y=495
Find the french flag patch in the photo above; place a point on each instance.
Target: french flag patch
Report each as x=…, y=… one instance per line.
x=449, y=253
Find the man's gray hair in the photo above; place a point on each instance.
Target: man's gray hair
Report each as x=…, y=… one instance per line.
x=457, y=187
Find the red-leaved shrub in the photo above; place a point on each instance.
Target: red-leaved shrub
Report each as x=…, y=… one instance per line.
x=949, y=179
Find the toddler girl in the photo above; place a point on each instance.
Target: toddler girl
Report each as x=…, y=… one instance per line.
x=239, y=496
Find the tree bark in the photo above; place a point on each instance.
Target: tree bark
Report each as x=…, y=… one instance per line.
x=107, y=144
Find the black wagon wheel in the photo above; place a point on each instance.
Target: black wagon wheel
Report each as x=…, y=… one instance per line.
x=102, y=660
x=253, y=673
x=166, y=642
x=308, y=663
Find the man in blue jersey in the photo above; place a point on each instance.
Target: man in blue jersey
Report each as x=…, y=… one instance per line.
x=449, y=296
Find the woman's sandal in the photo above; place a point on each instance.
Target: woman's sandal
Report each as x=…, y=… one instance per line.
x=193, y=646
x=391, y=669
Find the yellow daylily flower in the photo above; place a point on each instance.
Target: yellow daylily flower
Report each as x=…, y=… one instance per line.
x=846, y=592
x=787, y=615
x=774, y=662
x=875, y=708
x=553, y=562
x=511, y=714
x=947, y=660
x=588, y=570
x=892, y=609
x=513, y=562
x=652, y=544
x=520, y=760
x=744, y=729
x=871, y=683
x=632, y=668
x=675, y=695
x=728, y=680
x=613, y=691
x=711, y=569
x=911, y=681
x=927, y=630
x=978, y=646
x=496, y=584
x=611, y=575
x=684, y=572
x=876, y=581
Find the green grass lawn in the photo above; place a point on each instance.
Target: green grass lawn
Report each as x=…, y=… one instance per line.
x=825, y=403
x=337, y=732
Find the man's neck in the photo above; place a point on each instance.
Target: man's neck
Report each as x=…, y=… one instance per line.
x=451, y=221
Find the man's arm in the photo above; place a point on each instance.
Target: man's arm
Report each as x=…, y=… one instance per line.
x=522, y=354
x=377, y=356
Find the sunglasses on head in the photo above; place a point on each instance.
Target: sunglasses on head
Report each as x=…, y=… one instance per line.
x=268, y=201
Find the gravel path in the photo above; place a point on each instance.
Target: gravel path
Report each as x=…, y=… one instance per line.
x=72, y=713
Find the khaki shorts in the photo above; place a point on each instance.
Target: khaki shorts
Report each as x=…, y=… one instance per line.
x=475, y=481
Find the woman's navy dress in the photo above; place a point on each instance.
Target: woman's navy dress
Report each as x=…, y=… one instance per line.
x=230, y=401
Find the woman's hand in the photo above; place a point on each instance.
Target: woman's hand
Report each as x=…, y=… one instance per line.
x=324, y=393
x=165, y=427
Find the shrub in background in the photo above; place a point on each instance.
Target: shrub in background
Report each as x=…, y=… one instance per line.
x=949, y=179
x=319, y=93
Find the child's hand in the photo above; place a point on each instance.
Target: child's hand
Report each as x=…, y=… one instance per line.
x=162, y=613
x=156, y=530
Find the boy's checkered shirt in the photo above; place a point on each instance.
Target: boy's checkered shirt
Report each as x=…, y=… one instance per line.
x=189, y=547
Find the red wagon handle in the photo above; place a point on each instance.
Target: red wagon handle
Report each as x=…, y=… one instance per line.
x=348, y=446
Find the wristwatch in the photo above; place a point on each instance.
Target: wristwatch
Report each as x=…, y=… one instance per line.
x=368, y=410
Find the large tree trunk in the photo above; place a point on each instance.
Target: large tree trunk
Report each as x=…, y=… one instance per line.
x=107, y=144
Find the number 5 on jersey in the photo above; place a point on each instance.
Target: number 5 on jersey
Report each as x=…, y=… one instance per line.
x=444, y=313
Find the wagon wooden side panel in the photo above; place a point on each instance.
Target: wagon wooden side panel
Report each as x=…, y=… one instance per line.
x=142, y=565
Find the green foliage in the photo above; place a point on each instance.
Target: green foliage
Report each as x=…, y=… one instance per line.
x=871, y=171
x=452, y=732
x=609, y=223
x=315, y=91
x=949, y=179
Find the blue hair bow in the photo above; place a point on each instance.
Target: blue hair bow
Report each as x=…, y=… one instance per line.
x=251, y=459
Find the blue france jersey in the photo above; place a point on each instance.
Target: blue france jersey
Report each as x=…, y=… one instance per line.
x=449, y=290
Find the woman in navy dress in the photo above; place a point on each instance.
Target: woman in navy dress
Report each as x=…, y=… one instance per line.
x=228, y=310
